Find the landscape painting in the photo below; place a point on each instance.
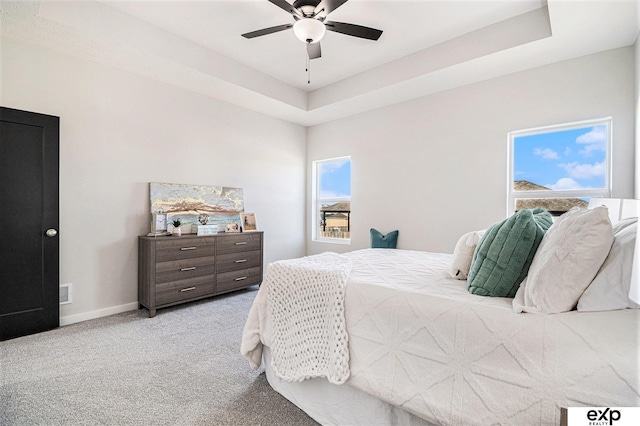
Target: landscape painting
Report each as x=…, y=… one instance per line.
x=187, y=202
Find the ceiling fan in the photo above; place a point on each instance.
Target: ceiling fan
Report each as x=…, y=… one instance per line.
x=310, y=23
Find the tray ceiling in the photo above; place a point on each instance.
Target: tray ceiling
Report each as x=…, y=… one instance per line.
x=426, y=47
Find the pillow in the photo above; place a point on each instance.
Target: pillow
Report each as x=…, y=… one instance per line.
x=569, y=257
x=463, y=253
x=383, y=241
x=501, y=260
x=609, y=290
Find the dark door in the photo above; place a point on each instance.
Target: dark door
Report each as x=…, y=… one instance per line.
x=29, y=282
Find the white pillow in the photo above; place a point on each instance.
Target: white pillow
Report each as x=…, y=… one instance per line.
x=568, y=258
x=463, y=253
x=610, y=288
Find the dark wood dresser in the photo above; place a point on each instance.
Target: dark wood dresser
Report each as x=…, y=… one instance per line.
x=173, y=270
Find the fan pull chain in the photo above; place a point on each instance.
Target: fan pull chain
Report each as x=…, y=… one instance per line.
x=308, y=69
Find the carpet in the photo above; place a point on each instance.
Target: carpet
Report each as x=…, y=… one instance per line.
x=182, y=367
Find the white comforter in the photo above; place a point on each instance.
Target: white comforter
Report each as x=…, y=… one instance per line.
x=419, y=340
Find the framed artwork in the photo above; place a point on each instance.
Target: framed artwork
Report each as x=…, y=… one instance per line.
x=191, y=203
x=248, y=221
x=232, y=227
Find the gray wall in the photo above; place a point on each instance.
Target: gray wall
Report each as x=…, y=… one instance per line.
x=436, y=167
x=637, y=115
x=118, y=133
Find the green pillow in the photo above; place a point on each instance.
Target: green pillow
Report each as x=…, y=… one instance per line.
x=383, y=241
x=502, y=258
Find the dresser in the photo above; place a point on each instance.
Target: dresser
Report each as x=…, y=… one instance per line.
x=173, y=270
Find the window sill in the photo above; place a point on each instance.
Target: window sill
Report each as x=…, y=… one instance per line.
x=343, y=241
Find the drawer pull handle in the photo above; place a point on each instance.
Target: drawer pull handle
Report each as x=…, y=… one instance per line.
x=187, y=248
x=188, y=289
x=241, y=260
x=188, y=269
x=241, y=243
x=241, y=278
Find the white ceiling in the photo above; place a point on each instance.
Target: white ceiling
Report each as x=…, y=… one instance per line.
x=408, y=26
x=426, y=47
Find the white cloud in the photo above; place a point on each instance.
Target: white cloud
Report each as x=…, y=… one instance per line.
x=567, y=151
x=584, y=171
x=564, y=184
x=596, y=134
x=546, y=153
x=594, y=140
x=332, y=166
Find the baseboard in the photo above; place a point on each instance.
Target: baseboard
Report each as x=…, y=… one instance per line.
x=72, y=319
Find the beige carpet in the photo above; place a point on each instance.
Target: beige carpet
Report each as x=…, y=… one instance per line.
x=182, y=367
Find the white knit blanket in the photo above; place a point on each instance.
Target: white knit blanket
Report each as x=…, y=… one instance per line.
x=303, y=322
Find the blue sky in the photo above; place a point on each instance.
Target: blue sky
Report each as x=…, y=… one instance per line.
x=335, y=178
x=567, y=159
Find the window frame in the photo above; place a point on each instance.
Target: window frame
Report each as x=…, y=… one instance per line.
x=605, y=192
x=317, y=201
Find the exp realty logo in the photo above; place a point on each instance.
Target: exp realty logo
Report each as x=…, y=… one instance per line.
x=603, y=416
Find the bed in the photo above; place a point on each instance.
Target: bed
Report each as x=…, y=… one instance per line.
x=423, y=350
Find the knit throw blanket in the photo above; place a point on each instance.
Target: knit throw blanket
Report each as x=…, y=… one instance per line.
x=305, y=299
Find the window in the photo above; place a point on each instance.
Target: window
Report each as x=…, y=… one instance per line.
x=559, y=167
x=332, y=200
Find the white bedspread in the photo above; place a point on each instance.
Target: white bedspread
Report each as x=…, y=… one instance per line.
x=420, y=341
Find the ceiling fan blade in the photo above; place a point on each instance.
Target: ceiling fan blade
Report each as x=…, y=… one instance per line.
x=353, y=30
x=266, y=31
x=284, y=5
x=313, y=50
x=329, y=6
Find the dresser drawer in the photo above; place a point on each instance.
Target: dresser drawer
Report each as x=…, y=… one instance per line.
x=177, y=291
x=240, y=260
x=184, y=248
x=184, y=268
x=246, y=241
x=238, y=279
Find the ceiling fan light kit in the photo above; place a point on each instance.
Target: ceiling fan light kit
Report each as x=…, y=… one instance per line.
x=311, y=24
x=309, y=30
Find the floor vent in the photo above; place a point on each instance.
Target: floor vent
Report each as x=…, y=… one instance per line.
x=65, y=293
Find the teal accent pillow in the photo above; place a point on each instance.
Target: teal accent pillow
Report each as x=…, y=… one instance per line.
x=504, y=254
x=383, y=241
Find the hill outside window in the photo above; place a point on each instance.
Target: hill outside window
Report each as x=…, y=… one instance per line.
x=332, y=200
x=559, y=167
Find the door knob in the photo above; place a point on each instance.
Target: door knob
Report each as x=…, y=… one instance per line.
x=51, y=232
